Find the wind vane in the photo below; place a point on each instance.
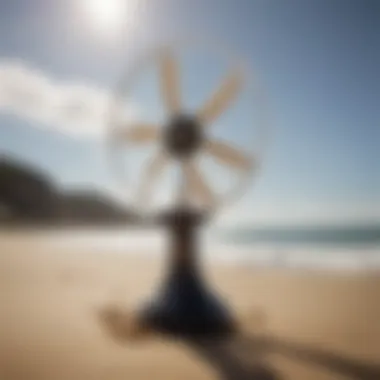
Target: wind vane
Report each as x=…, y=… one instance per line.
x=185, y=305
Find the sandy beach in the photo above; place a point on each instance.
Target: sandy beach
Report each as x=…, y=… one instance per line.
x=295, y=324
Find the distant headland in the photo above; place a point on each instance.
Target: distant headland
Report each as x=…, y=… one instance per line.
x=30, y=197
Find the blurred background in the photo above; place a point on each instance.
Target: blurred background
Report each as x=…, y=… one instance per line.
x=318, y=63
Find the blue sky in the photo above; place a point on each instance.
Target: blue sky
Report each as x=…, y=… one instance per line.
x=319, y=62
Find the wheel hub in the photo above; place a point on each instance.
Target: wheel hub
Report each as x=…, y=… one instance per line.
x=183, y=136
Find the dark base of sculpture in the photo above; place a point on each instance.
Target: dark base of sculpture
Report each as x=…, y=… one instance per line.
x=185, y=306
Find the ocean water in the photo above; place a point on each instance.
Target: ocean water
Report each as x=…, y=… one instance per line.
x=330, y=248
x=333, y=247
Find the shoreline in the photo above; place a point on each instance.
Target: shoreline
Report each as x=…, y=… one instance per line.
x=152, y=244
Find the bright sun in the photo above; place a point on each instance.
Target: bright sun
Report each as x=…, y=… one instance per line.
x=109, y=15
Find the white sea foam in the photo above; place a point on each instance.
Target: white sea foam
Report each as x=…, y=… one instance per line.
x=153, y=243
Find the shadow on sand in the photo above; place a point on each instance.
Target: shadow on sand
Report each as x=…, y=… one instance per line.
x=230, y=361
x=243, y=357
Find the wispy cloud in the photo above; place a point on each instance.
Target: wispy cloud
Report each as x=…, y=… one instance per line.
x=78, y=109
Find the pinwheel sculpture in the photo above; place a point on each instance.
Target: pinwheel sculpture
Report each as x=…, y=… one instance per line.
x=185, y=305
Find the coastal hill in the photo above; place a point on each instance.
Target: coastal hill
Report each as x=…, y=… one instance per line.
x=30, y=196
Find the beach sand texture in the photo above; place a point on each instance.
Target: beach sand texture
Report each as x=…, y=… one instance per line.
x=295, y=324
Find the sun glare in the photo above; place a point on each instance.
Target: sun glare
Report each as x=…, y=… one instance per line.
x=109, y=15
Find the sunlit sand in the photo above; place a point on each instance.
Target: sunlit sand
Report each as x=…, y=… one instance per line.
x=62, y=317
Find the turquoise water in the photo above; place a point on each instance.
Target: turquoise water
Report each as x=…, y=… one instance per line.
x=338, y=236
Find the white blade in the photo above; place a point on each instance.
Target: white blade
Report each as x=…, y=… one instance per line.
x=140, y=133
x=228, y=155
x=153, y=170
x=222, y=98
x=170, y=86
x=196, y=184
